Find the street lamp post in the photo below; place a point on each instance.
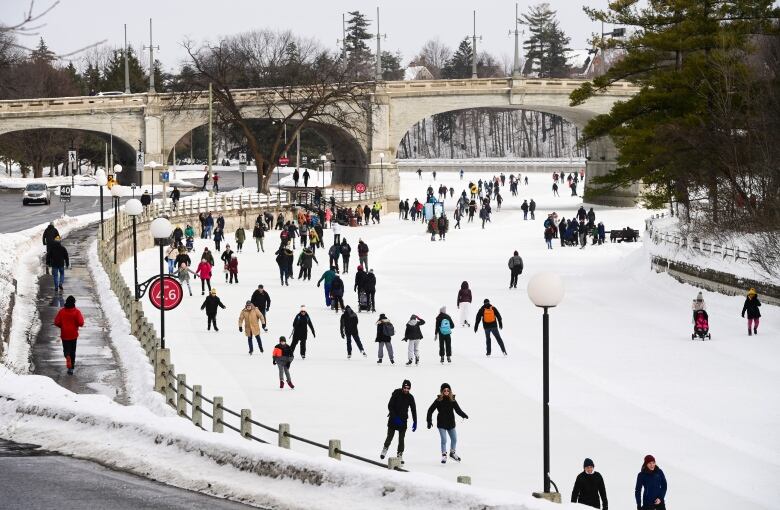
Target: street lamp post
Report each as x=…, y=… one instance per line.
x=161, y=231
x=382, y=168
x=323, y=159
x=545, y=291
x=102, y=180
x=116, y=192
x=134, y=208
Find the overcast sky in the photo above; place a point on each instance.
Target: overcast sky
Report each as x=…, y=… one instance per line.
x=407, y=23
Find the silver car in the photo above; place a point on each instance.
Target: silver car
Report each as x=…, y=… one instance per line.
x=36, y=192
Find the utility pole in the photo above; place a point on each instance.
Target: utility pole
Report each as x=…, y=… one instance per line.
x=344, y=36
x=516, y=71
x=127, y=66
x=151, y=48
x=474, y=49
x=378, y=49
x=210, y=121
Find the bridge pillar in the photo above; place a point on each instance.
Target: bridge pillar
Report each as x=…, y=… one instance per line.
x=385, y=175
x=153, y=139
x=603, y=160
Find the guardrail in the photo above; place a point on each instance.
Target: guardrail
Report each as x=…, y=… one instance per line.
x=189, y=400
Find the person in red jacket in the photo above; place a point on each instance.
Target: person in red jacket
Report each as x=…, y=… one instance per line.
x=69, y=320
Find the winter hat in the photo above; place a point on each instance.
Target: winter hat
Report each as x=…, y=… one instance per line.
x=443, y=387
x=234, y=256
x=282, y=339
x=486, y=301
x=360, y=268
x=213, y=292
x=443, y=309
x=260, y=286
x=587, y=463
x=699, y=297
x=516, y=254
x=70, y=302
x=303, y=308
x=57, y=238
x=649, y=458
x=248, y=303
x=382, y=316
x=406, y=384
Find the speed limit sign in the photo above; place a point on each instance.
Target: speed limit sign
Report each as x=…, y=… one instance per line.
x=173, y=293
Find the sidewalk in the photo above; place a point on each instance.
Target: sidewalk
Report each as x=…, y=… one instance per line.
x=97, y=369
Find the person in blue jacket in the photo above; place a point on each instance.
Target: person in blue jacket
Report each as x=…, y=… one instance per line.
x=652, y=480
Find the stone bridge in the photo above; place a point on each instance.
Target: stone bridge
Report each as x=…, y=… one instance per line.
x=153, y=119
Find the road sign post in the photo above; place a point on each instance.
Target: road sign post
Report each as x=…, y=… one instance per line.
x=242, y=166
x=173, y=293
x=65, y=193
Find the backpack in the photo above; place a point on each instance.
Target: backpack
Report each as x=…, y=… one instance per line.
x=489, y=315
x=445, y=328
x=388, y=329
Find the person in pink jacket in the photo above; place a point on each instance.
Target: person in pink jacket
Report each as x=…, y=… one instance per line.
x=204, y=272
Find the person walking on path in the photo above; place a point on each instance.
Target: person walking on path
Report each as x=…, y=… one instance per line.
x=751, y=307
x=446, y=407
x=299, y=332
x=384, y=336
x=491, y=322
x=249, y=321
x=444, y=325
x=349, y=330
x=215, y=180
x=210, y=304
x=515, y=269
x=49, y=235
x=398, y=407
x=175, y=196
x=282, y=357
x=650, y=490
x=328, y=276
x=413, y=335
x=69, y=319
x=59, y=260
x=589, y=488
x=464, y=304
x=205, y=178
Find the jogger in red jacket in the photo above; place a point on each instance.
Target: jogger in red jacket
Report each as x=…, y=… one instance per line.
x=69, y=320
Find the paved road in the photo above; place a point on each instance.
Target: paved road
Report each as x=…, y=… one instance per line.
x=36, y=479
x=97, y=369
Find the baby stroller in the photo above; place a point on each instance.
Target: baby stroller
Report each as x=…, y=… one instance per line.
x=701, y=325
x=190, y=244
x=363, y=301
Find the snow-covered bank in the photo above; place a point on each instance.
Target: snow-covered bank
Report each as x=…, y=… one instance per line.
x=170, y=450
x=21, y=182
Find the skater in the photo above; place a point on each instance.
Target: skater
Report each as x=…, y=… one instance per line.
x=464, y=304
x=218, y=236
x=548, y=237
x=751, y=307
x=282, y=358
x=215, y=180
x=369, y=285
x=59, y=260
x=210, y=304
x=650, y=489
x=258, y=233
x=349, y=330
x=337, y=293
x=226, y=256
x=384, y=336
x=491, y=322
x=334, y=252
x=515, y=269
x=532, y=209
x=413, y=335
x=69, y=320
x=183, y=274
x=446, y=407
x=336, y=227
x=205, y=178
x=524, y=207
x=249, y=321
x=262, y=300
x=398, y=407
x=444, y=324
x=555, y=189
x=240, y=238
x=306, y=176
x=346, y=250
x=49, y=235
x=363, y=254
x=232, y=267
x=284, y=258
x=296, y=175
x=300, y=333
x=204, y=272
x=304, y=261
x=327, y=277
x=589, y=487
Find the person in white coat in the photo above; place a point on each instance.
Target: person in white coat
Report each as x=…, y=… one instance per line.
x=336, y=226
x=698, y=304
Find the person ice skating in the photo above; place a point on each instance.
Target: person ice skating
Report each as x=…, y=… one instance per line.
x=464, y=304
x=751, y=307
x=284, y=258
x=59, y=260
x=369, y=285
x=346, y=250
x=524, y=207
x=515, y=269
x=305, y=260
x=327, y=277
x=249, y=321
x=413, y=335
x=349, y=329
x=232, y=267
x=258, y=233
x=282, y=357
x=334, y=252
x=398, y=407
x=555, y=189
x=211, y=304
x=261, y=299
x=240, y=238
x=69, y=319
x=215, y=181
x=301, y=322
x=183, y=274
x=203, y=271
x=384, y=336
x=363, y=254
x=549, y=233
x=491, y=322
x=650, y=490
x=589, y=487
x=175, y=196
x=205, y=178
x=446, y=407
x=218, y=236
x=444, y=325
x=225, y=258
x=337, y=293
x=49, y=234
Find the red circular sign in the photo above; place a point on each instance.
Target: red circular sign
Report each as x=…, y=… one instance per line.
x=284, y=161
x=173, y=293
x=360, y=187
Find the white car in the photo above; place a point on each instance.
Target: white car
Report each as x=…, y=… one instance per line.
x=36, y=192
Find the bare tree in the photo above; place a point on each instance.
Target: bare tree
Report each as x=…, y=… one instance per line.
x=434, y=55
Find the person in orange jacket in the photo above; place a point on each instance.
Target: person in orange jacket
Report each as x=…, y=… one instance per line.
x=69, y=320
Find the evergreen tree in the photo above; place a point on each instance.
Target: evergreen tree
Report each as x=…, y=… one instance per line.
x=42, y=54
x=114, y=73
x=459, y=66
x=391, y=66
x=547, y=45
x=91, y=80
x=360, y=59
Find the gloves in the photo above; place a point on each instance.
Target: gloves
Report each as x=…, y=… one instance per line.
x=475, y=327
x=466, y=417
x=430, y=424
x=274, y=361
x=743, y=315
x=500, y=326
x=414, y=427
x=240, y=329
x=318, y=285
x=397, y=421
x=342, y=336
x=265, y=329
x=314, y=334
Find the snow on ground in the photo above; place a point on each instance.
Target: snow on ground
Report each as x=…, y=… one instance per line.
x=626, y=379
x=21, y=182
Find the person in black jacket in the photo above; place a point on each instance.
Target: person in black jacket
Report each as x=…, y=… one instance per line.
x=59, y=260
x=49, y=234
x=589, y=488
x=491, y=322
x=751, y=307
x=413, y=335
x=299, y=334
x=284, y=259
x=349, y=329
x=401, y=401
x=369, y=285
x=261, y=299
x=337, y=293
x=446, y=406
x=444, y=334
x=210, y=304
x=346, y=250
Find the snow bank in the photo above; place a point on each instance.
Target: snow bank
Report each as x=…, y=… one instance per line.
x=21, y=182
x=35, y=410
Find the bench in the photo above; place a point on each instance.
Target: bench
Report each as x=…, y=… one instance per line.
x=628, y=235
